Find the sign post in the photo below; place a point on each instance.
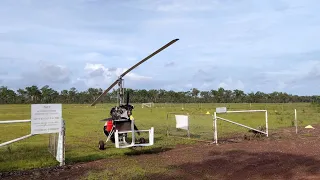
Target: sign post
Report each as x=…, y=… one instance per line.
x=46, y=119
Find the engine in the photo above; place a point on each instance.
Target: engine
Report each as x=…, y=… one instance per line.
x=121, y=112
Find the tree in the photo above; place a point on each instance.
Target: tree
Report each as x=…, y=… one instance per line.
x=205, y=96
x=195, y=92
x=7, y=96
x=153, y=95
x=22, y=95
x=34, y=93
x=72, y=94
x=46, y=94
x=220, y=95
x=239, y=96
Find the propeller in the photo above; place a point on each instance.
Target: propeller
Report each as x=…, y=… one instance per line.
x=136, y=65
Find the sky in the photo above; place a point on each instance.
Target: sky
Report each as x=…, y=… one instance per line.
x=250, y=45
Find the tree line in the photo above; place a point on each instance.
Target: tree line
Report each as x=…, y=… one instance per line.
x=45, y=94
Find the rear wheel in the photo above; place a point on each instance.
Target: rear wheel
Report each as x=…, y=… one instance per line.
x=142, y=140
x=101, y=145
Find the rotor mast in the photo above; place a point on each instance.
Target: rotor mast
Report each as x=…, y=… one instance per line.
x=120, y=92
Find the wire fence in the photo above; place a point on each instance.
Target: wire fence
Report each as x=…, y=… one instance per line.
x=279, y=115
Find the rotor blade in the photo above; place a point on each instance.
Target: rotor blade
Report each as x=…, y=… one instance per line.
x=148, y=57
x=104, y=93
x=126, y=72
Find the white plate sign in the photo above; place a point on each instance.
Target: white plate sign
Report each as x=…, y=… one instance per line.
x=182, y=122
x=46, y=118
x=221, y=109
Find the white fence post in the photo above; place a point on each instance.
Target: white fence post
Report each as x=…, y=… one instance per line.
x=215, y=128
x=295, y=120
x=267, y=128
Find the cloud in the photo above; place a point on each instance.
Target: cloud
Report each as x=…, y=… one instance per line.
x=111, y=72
x=93, y=57
x=230, y=84
x=169, y=64
x=204, y=75
x=314, y=72
x=262, y=45
x=97, y=75
x=175, y=6
x=41, y=74
x=3, y=73
x=293, y=78
x=47, y=73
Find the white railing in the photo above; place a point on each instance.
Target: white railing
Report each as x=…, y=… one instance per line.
x=17, y=139
x=221, y=110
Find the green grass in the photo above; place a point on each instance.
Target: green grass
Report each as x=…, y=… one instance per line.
x=84, y=129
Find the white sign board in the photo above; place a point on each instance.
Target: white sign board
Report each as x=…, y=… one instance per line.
x=46, y=118
x=221, y=109
x=182, y=122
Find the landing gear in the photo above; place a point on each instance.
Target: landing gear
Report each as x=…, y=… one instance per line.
x=117, y=132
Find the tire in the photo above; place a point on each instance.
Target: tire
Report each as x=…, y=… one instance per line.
x=101, y=145
x=142, y=140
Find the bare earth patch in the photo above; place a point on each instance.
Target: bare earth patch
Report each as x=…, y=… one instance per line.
x=284, y=155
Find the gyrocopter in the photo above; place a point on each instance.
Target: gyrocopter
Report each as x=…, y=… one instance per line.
x=121, y=122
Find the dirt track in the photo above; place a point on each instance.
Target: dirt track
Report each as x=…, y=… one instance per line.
x=282, y=156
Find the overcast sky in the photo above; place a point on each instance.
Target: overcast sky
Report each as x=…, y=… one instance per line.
x=252, y=45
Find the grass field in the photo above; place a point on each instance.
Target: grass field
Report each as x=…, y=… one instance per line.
x=84, y=129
